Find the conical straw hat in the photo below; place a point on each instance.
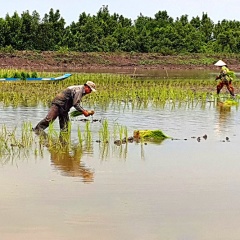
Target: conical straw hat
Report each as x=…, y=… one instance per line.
x=220, y=63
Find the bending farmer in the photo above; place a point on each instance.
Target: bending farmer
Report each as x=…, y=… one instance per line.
x=61, y=104
x=225, y=77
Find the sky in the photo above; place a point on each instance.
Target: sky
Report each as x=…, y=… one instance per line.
x=217, y=10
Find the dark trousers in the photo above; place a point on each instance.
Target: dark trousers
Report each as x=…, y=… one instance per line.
x=54, y=112
x=228, y=84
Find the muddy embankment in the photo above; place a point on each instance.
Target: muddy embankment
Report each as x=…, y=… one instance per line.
x=57, y=61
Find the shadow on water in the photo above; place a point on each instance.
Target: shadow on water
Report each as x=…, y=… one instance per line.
x=224, y=117
x=224, y=113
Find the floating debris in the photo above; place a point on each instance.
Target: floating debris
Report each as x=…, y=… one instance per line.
x=118, y=142
x=205, y=136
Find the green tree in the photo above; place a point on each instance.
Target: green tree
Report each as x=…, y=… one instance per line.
x=143, y=39
x=4, y=31
x=50, y=31
x=29, y=30
x=206, y=28
x=13, y=36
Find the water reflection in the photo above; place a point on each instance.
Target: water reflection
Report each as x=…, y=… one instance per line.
x=70, y=164
x=144, y=73
x=224, y=111
x=224, y=115
x=67, y=158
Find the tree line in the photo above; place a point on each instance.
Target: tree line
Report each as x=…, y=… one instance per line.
x=105, y=32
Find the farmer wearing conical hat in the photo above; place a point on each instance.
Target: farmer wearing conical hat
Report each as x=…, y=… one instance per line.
x=225, y=77
x=61, y=104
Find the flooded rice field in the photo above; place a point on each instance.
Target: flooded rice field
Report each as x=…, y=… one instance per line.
x=185, y=187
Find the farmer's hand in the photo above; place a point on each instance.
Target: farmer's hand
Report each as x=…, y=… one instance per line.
x=217, y=77
x=88, y=113
x=85, y=113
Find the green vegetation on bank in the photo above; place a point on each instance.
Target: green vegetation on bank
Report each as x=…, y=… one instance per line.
x=105, y=32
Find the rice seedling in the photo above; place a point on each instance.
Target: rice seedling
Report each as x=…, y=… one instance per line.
x=120, y=133
x=121, y=151
x=52, y=135
x=112, y=90
x=116, y=92
x=75, y=114
x=17, y=73
x=21, y=143
x=26, y=135
x=104, y=135
x=13, y=142
x=80, y=139
x=88, y=135
x=4, y=146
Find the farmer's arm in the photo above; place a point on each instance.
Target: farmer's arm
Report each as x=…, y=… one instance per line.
x=78, y=94
x=77, y=100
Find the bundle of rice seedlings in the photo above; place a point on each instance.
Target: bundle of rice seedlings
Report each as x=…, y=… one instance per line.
x=230, y=102
x=231, y=74
x=150, y=135
x=77, y=113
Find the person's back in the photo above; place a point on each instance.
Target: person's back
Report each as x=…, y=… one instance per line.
x=65, y=99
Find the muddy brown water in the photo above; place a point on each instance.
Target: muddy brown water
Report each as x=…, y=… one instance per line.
x=179, y=189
